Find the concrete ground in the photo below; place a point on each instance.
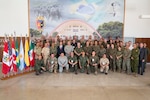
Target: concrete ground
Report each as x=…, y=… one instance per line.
x=68, y=86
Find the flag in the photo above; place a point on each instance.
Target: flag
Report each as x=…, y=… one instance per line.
x=27, y=63
x=21, y=56
x=5, y=60
x=17, y=53
x=10, y=56
x=31, y=54
x=13, y=56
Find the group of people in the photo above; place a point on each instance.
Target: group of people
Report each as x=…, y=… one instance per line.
x=90, y=56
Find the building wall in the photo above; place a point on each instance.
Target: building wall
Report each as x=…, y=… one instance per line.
x=14, y=17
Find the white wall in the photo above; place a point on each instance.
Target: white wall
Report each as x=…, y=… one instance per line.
x=134, y=26
x=14, y=17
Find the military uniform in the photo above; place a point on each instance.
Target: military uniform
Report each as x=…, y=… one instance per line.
x=52, y=64
x=119, y=60
x=112, y=53
x=37, y=51
x=73, y=68
x=94, y=60
x=84, y=64
x=87, y=51
x=96, y=49
x=78, y=50
x=45, y=53
x=135, y=59
x=38, y=65
x=53, y=50
x=126, y=60
x=102, y=51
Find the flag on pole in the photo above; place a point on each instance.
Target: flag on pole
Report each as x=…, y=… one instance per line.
x=31, y=54
x=27, y=63
x=17, y=53
x=21, y=56
x=13, y=56
x=10, y=56
x=5, y=60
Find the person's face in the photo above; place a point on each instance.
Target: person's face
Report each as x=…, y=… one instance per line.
x=60, y=43
x=78, y=44
x=119, y=48
x=87, y=43
x=52, y=55
x=95, y=42
x=40, y=57
x=62, y=54
x=108, y=46
x=134, y=46
x=69, y=43
x=93, y=53
x=141, y=45
x=112, y=46
x=145, y=45
x=104, y=56
x=83, y=53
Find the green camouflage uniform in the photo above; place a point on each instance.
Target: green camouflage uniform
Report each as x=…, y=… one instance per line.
x=83, y=63
x=102, y=51
x=87, y=51
x=135, y=61
x=94, y=60
x=51, y=64
x=37, y=51
x=78, y=50
x=126, y=60
x=113, y=59
x=119, y=60
x=73, y=60
x=39, y=64
x=53, y=50
x=96, y=49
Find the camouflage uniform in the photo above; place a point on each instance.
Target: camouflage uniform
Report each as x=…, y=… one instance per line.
x=52, y=64
x=126, y=60
x=113, y=59
x=135, y=59
x=84, y=64
x=94, y=60
x=73, y=60
x=119, y=60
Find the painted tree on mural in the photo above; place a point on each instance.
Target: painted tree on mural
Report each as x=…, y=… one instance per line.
x=113, y=29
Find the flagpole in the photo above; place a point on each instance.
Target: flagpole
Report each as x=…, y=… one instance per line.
x=5, y=40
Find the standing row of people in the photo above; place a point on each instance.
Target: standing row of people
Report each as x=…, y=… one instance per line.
x=89, y=55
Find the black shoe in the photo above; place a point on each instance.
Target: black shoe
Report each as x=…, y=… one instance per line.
x=106, y=73
x=88, y=73
x=36, y=73
x=76, y=73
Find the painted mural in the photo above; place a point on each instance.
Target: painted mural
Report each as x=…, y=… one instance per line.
x=104, y=16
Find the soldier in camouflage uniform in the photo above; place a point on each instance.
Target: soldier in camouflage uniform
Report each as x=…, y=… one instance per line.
x=87, y=49
x=78, y=50
x=52, y=63
x=94, y=61
x=102, y=51
x=135, y=59
x=126, y=59
x=72, y=60
x=96, y=47
x=84, y=63
x=37, y=50
x=53, y=49
x=39, y=65
x=119, y=59
x=112, y=55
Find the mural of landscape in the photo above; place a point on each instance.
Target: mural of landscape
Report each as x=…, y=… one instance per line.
x=105, y=16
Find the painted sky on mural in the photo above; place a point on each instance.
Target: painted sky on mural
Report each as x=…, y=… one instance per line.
x=94, y=12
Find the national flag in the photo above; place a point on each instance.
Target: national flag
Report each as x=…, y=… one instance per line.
x=10, y=56
x=27, y=63
x=13, y=56
x=31, y=54
x=21, y=56
x=5, y=60
x=17, y=53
